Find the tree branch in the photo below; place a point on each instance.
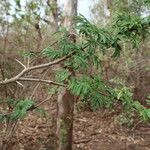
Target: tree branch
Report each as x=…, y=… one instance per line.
x=26, y=70
x=41, y=80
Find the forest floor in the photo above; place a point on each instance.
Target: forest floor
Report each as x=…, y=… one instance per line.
x=92, y=131
x=98, y=131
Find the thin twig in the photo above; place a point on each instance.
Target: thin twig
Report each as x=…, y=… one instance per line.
x=38, y=84
x=43, y=102
x=136, y=125
x=20, y=63
x=41, y=80
x=82, y=141
x=28, y=61
x=19, y=83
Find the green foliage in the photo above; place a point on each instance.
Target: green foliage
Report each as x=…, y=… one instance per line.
x=99, y=38
x=21, y=109
x=91, y=41
x=146, y=2
x=129, y=24
x=80, y=87
x=92, y=90
x=131, y=28
x=125, y=95
x=62, y=75
x=80, y=61
x=142, y=111
x=51, y=53
x=95, y=91
x=18, y=3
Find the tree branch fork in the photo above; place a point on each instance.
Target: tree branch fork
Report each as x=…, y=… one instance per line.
x=19, y=76
x=26, y=69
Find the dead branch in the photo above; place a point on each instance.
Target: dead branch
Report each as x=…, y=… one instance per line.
x=82, y=141
x=41, y=80
x=28, y=69
x=41, y=66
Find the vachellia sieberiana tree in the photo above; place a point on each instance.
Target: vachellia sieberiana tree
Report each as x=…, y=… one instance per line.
x=74, y=54
x=132, y=68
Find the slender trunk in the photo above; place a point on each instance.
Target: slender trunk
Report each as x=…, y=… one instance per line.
x=65, y=119
x=53, y=5
x=70, y=12
x=65, y=98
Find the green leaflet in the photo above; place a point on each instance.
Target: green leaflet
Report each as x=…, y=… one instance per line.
x=21, y=109
x=142, y=111
x=51, y=53
x=92, y=90
x=62, y=75
x=79, y=87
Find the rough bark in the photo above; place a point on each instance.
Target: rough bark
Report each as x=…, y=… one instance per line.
x=69, y=12
x=65, y=98
x=65, y=119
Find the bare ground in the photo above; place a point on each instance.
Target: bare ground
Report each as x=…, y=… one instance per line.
x=92, y=131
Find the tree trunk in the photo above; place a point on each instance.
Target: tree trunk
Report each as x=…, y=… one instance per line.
x=53, y=5
x=70, y=11
x=65, y=98
x=65, y=119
